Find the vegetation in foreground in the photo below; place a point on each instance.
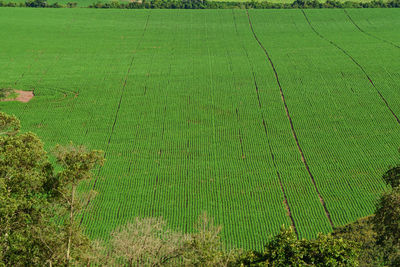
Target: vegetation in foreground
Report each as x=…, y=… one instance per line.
x=39, y=226
x=6, y=93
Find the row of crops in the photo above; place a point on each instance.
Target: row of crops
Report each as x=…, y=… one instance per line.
x=188, y=110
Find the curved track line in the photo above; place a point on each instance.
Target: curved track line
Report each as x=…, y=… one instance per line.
x=160, y=151
x=367, y=33
x=291, y=122
x=214, y=137
x=122, y=92
x=355, y=62
x=286, y=202
x=117, y=112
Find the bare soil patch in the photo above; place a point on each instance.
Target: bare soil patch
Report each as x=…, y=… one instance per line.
x=21, y=96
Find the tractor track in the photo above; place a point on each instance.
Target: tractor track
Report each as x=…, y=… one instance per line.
x=290, y=122
x=122, y=93
x=367, y=33
x=355, y=62
x=117, y=112
x=160, y=151
x=236, y=109
x=29, y=68
x=240, y=135
x=188, y=150
x=285, y=202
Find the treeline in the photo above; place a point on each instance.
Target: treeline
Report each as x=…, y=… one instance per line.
x=204, y=4
x=199, y=4
x=38, y=4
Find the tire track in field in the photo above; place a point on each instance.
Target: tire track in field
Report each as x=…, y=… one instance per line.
x=123, y=88
x=159, y=154
x=286, y=202
x=26, y=107
x=303, y=158
x=144, y=94
x=123, y=91
x=117, y=112
x=240, y=134
x=187, y=162
x=164, y=114
x=44, y=74
x=355, y=62
x=228, y=55
x=367, y=33
x=40, y=53
x=219, y=203
x=188, y=150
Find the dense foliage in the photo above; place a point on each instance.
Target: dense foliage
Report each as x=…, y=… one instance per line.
x=379, y=234
x=36, y=201
x=286, y=250
x=4, y=92
x=206, y=4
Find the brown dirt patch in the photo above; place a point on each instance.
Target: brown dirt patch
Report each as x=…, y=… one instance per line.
x=22, y=96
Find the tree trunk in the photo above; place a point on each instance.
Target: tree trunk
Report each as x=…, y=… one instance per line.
x=71, y=221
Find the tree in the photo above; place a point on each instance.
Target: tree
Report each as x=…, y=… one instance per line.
x=205, y=247
x=36, y=3
x=392, y=176
x=386, y=223
x=147, y=242
x=25, y=194
x=387, y=217
x=77, y=163
x=285, y=249
x=327, y=250
x=9, y=125
x=34, y=199
x=379, y=234
x=4, y=92
x=362, y=232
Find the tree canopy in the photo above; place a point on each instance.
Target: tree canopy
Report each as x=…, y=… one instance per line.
x=34, y=198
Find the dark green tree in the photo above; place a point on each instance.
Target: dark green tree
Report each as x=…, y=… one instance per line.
x=25, y=194
x=392, y=176
x=34, y=199
x=77, y=163
x=285, y=249
x=386, y=223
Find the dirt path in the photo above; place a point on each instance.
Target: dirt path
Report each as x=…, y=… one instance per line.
x=23, y=96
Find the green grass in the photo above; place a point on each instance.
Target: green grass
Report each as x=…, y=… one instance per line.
x=170, y=96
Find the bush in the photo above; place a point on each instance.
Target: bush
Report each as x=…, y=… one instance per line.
x=72, y=4
x=36, y=3
x=56, y=5
x=286, y=250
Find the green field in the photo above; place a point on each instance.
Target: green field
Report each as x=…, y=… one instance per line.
x=193, y=116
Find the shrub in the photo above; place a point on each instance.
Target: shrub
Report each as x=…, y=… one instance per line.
x=36, y=3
